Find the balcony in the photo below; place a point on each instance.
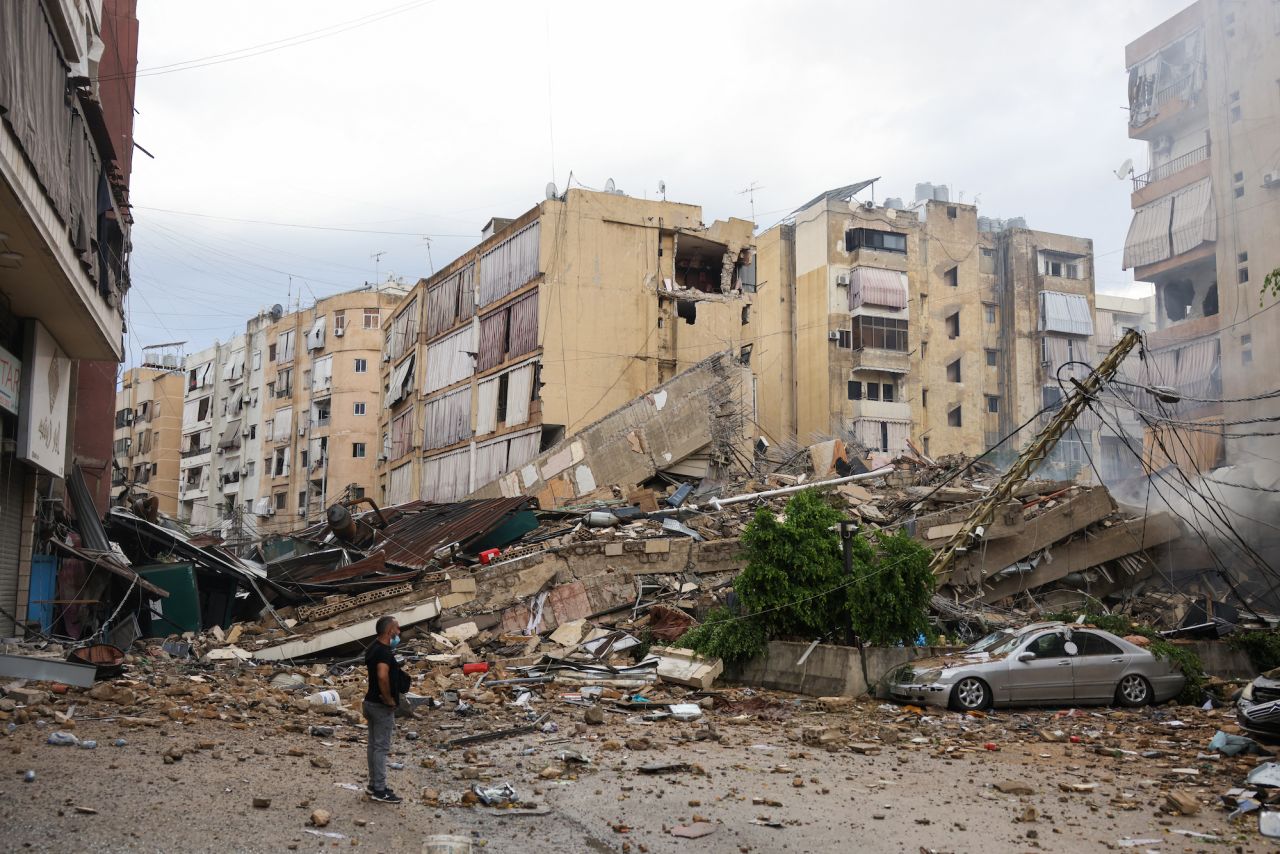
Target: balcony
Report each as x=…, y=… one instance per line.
x=879, y=410
x=1171, y=167
x=195, y=452
x=284, y=392
x=877, y=359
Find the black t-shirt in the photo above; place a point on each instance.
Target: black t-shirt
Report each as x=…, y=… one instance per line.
x=379, y=653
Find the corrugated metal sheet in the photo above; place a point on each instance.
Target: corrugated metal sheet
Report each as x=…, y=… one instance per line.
x=874, y=286
x=519, y=391
x=1148, y=239
x=447, y=477
x=404, y=330
x=449, y=360
x=448, y=419
x=411, y=540
x=400, y=484
x=1066, y=313
x=1195, y=218
x=510, y=264
x=493, y=340
x=523, y=325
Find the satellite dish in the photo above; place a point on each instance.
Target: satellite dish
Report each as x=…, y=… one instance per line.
x=609, y=186
x=551, y=190
x=1126, y=169
x=277, y=311
x=662, y=188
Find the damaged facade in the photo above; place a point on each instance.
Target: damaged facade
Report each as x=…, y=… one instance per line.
x=148, y=428
x=66, y=148
x=553, y=321
x=1202, y=96
x=924, y=322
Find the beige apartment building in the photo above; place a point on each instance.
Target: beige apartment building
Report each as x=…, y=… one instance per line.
x=317, y=411
x=557, y=318
x=148, y=428
x=1203, y=95
x=924, y=322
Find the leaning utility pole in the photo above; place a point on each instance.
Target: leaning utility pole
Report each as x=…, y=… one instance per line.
x=1040, y=447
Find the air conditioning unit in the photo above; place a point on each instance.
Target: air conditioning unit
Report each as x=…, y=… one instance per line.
x=1271, y=179
x=302, y=512
x=842, y=279
x=833, y=336
x=244, y=471
x=302, y=431
x=271, y=511
x=339, y=331
x=869, y=205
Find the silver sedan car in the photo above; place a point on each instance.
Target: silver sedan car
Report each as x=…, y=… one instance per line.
x=1040, y=664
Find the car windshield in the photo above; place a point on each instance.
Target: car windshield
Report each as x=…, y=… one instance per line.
x=989, y=641
x=1006, y=646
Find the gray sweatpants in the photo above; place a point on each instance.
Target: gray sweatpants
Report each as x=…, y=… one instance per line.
x=382, y=722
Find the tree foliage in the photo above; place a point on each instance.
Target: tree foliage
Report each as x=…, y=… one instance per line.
x=1271, y=285
x=794, y=585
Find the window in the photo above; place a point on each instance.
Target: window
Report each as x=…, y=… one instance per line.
x=303, y=458
x=1051, y=645
x=1236, y=115
x=869, y=238
x=1239, y=191
x=257, y=360
x=990, y=312
x=746, y=314
x=357, y=492
x=1242, y=275
x=372, y=318
x=253, y=431
x=993, y=403
x=339, y=323
x=855, y=390
x=951, y=211
x=302, y=500
x=359, y=407
x=1087, y=643
x=952, y=277
x=1239, y=178
x=357, y=449
x=1246, y=349
x=953, y=325
x=991, y=358
x=884, y=333
x=873, y=391
x=954, y=418
x=362, y=365
x=924, y=398
x=249, y=468
x=953, y=371
x=844, y=339
x=987, y=261
x=887, y=393
x=282, y=500
x=1242, y=258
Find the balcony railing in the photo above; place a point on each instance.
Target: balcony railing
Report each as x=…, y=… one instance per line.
x=195, y=452
x=1141, y=112
x=1172, y=167
x=284, y=392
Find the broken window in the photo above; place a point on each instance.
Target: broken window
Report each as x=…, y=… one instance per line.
x=951, y=211
x=869, y=238
x=844, y=338
x=687, y=310
x=993, y=403
x=954, y=418
x=744, y=354
x=504, y=386
x=884, y=333
x=855, y=390
x=204, y=406
x=873, y=391
x=1178, y=297
x=1210, y=304
x=700, y=264
x=746, y=314
x=953, y=325
x=952, y=277
x=953, y=371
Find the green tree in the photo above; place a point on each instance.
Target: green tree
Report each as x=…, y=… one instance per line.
x=1270, y=285
x=889, y=600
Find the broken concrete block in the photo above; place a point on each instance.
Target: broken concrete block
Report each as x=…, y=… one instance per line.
x=455, y=600
x=657, y=546
x=462, y=585
x=569, y=634
x=1014, y=787
x=686, y=667
x=1181, y=802
x=462, y=631
x=613, y=549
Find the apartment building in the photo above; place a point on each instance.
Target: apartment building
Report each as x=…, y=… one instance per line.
x=1120, y=434
x=555, y=319
x=925, y=321
x=148, y=428
x=1203, y=95
x=199, y=501
x=66, y=82
x=317, y=421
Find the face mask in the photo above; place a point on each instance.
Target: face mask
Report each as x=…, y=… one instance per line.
x=395, y=641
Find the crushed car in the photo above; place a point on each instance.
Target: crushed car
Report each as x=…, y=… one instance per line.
x=1258, y=707
x=1039, y=664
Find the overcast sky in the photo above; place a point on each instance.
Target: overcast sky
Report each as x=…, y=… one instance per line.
x=435, y=118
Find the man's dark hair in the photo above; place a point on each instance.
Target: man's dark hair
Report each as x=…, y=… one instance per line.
x=382, y=625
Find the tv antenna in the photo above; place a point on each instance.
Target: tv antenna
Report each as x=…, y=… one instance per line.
x=431, y=264
x=377, y=259
x=750, y=193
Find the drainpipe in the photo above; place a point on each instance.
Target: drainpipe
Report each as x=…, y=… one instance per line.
x=718, y=503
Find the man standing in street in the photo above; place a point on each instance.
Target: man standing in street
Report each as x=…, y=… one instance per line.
x=386, y=683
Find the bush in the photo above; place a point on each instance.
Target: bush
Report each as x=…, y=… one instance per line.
x=1262, y=647
x=794, y=585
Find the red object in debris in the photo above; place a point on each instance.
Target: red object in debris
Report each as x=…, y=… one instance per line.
x=476, y=667
x=489, y=555
x=1075, y=739
x=991, y=745
x=58, y=688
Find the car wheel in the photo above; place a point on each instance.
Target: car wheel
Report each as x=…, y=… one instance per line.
x=1133, y=691
x=970, y=694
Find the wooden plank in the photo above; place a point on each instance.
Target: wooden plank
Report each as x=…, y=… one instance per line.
x=1085, y=552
